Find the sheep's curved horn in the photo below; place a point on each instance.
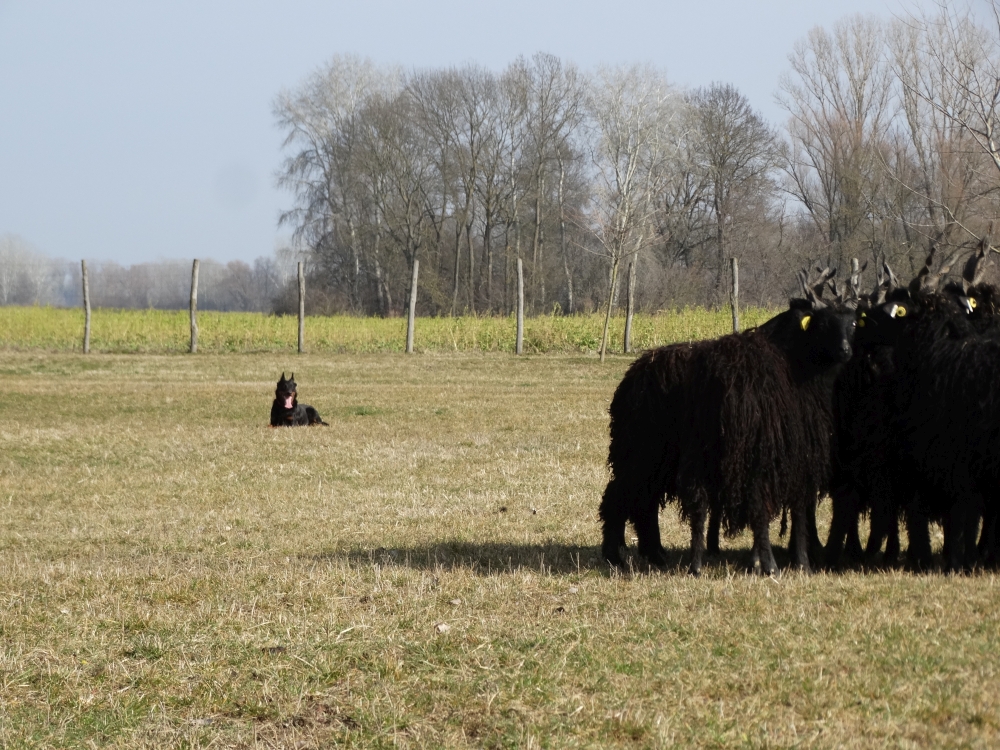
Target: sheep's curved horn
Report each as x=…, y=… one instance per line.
x=885, y=282
x=918, y=281
x=809, y=291
x=893, y=281
x=976, y=265
x=928, y=281
x=813, y=289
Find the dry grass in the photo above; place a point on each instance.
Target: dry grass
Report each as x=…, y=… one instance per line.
x=423, y=573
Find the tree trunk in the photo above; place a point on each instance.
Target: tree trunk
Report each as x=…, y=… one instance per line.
x=630, y=305
x=734, y=299
x=302, y=307
x=607, y=314
x=536, y=250
x=458, y=265
x=562, y=240
x=380, y=297
x=356, y=261
x=472, y=267
x=720, y=239
x=488, y=247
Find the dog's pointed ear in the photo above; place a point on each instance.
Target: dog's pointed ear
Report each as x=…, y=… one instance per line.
x=282, y=377
x=293, y=376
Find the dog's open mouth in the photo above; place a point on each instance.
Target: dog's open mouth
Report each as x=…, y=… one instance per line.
x=288, y=401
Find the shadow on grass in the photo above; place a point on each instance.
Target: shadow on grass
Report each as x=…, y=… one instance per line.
x=554, y=558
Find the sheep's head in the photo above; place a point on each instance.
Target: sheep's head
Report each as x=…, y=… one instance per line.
x=978, y=299
x=823, y=335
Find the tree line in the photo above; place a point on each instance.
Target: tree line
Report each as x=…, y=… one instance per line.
x=29, y=277
x=617, y=182
x=606, y=185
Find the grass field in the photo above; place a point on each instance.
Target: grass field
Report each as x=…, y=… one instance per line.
x=422, y=573
x=164, y=331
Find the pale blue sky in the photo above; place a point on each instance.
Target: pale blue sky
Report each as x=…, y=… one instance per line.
x=134, y=131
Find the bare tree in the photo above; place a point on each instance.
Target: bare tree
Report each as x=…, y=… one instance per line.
x=322, y=120
x=554, y=111
x=398, y=154
x=630, y=109
x=433, y=97
x=841, y=108
x=740, y=151
x=948, y=65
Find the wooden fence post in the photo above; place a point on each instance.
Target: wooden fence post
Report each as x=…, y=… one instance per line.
x=519, y=341
x=194, y=306
x=86, y=309
x=629, y=307
x=734, y=298
x=302, y=308
x=413, y=308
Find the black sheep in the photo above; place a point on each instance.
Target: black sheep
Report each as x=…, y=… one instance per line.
x=862, y=398
x=983, y=303
x=875, y=471
x=739, y=426
x=942, y=432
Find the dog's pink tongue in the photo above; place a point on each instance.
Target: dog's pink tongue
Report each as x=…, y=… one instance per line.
x=288, y=401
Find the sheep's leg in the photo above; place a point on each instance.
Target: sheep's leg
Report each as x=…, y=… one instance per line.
x=881, y=522
x=844, y=511
x=982, y=549
x=972, y=511
x=919, y=533
x=762, y=557
x=815, y=548
x=960, y=530
x=946, y=546
x=614, y=514
x=956, y=536
x=647, y=528
x=799, y=543
x=853, y=548
x=986, y=548
x=698, y=538
x=987, y=541
x=971, y=534
x=714, y=525
x=892, y=541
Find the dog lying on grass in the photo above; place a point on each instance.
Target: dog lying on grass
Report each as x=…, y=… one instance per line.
x=286, y=411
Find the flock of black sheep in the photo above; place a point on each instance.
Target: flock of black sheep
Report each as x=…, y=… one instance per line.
x=887, y=402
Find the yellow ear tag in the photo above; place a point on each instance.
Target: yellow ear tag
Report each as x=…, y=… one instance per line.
x=972, y=302
x=805, y=322
x=861, y=322
x=900, y=312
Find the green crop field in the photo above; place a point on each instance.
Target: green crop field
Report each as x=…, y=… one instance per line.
x=424, y=572
x=159, y=331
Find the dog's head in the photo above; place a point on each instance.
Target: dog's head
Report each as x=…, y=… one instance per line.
x=285, y=392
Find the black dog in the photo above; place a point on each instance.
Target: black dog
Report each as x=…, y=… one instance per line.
x=286, y=411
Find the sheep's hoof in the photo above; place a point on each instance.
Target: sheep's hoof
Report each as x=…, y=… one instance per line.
x=766, y=569
x=657, y=558
x=614, y=556
x=695, y=572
